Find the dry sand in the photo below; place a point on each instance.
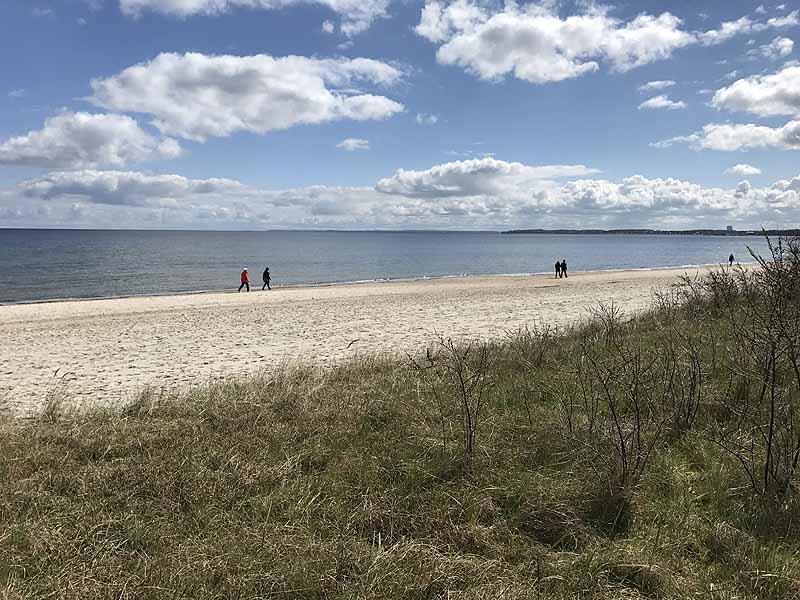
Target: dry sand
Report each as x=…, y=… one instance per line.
x=102, y=352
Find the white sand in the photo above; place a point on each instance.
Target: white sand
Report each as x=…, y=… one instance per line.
x=103, y=351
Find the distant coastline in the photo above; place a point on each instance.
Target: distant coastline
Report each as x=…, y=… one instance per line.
x=721, y=232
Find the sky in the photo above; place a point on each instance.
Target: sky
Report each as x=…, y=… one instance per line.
x=410, y=114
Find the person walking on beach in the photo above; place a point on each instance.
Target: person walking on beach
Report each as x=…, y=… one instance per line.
x=563, y=267
x=730, y=260
x=558, y=269
x=267, y=279
x=245, y=280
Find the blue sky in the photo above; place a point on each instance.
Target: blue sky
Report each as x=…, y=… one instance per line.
x=188, y=113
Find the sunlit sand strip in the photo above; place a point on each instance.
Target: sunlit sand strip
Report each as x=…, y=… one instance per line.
x=101, y=352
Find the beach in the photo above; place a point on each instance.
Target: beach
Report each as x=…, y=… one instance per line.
x=102, y=352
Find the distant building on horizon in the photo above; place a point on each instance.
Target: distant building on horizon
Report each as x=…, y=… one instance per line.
x=729, y=229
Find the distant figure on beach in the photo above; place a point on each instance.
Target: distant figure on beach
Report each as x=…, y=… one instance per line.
x=730, y=260
x=267, y=279
x=558, y=269
x=245, y=281
x=563, y=267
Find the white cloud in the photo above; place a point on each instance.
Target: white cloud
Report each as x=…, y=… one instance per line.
x=40, y=12
x=81, y=140
x=534, y=43
x=537, y=45
x=453, y=195
x=746, y=26
x=652, y=86
x=780, y=47
x=484, y=176
x=730, y=138
x=726, y=31
x=426, y=119
x=196, y=96
x=790, y=20
x=662, y=101
x=18, y=93
x=352, y=144
x=328, y=27
x=357, y=15
x=743, y=170
x=760, y=9
x=763, y=95
x=126, y=187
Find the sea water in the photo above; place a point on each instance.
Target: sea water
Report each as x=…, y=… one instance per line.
x=38, y=265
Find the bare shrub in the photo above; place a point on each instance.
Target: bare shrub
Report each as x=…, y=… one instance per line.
x=617, y=421
x=458, y=377
x=761, y=424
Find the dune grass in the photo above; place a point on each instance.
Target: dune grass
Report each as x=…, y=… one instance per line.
x=624, y=458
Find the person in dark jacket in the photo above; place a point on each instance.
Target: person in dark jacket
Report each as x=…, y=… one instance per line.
x=563, y=267
x=558, y=269
x=267, y=279
x=730, y=260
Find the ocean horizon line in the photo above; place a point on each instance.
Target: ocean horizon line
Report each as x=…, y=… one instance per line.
x=749, y=232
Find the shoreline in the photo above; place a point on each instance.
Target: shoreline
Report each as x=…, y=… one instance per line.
x=102, y=352
x=376, y=281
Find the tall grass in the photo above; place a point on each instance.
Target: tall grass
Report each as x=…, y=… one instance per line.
x=647, y=456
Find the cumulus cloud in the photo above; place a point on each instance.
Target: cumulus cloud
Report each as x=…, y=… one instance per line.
x=746, y=26
x=763, y=95
x=454, y=195
x=125, y=187
x=352, y=144
x=778, y=48
x=357, y=15
x=534, y=43
x=728, y=137
x=83, y=140
x=653, y=86
x=197, y=96
x=328, y=27
x=662, y=101
x=637, y=193
x=743, y=170
x=484, y=176
x=726, y=31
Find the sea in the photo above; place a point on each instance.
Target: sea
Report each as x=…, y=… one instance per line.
x=41, y=265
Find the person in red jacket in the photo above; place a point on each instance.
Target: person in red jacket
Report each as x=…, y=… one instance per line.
x=245, y=281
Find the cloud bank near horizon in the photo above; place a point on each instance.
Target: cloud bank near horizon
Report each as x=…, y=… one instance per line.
x=478, y=193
